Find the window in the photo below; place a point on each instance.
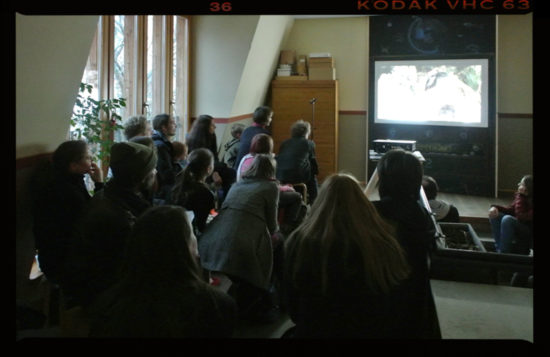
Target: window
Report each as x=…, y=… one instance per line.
x=145, y=60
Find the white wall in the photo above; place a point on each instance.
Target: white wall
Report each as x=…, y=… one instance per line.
x=51, y=53
x=219, y=49
x=514, y=96
x=347, y=40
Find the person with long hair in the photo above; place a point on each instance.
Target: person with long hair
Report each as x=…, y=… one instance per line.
x=161, y=293
x=203, y=135
x=191, y=191
x=238, y=241
x=344, y=267
x=400, y=180
x=512, y=225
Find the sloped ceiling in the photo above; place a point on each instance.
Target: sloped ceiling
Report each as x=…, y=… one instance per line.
x=51, y=53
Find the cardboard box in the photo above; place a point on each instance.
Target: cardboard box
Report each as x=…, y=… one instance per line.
x=283, y=72
x=301, y=66
x=323, y=60
x=322, y=74
x=320, y=65
x=287, y=57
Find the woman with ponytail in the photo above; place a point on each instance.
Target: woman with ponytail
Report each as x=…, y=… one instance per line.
x=191, y=191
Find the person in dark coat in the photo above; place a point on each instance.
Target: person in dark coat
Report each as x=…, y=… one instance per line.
x=261, y=120
x=161, y=293
x=238, y=241
x=344, y=267
x=59, y=198
x=164, y=129
x=400, y=178
x=296, y=161
x=96, y=256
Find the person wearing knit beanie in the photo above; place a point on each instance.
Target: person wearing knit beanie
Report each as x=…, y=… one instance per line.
x=132, y=162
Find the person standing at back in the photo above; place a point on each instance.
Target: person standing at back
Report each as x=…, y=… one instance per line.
x=164, y=129
x=261, y=120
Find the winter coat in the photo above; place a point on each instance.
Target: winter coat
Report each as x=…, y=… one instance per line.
x=231, y=150
x=98, y=251
x=58, y=201
x=166, y=172
x=416, y=234
x=296, y=161
x=238, y=240
x=246, y=141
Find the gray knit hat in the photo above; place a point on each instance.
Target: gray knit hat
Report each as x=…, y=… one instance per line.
x=132, y=161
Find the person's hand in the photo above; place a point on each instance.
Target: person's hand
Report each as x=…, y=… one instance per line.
x=96, y=173
x=493, y=212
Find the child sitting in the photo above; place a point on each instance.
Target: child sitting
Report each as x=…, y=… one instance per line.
x=444, y=211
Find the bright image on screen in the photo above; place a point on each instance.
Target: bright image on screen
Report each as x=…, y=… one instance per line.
x=433, y=92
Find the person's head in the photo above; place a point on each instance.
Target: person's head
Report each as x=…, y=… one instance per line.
x=204, y=124
x=162, y=246
x=179, y=150
x=263, y=167
x=261, y=144
x=237, y=130
x=133, y=164
x=72, y=156
x=202, y=133
x=137, y=126
x=525, y=186
x=262, y=115
x=165, y=124
x=300, y=129
x=343, y=225
x=400, y=175
x=200, y=165
x=430, y=187
x=143, y=140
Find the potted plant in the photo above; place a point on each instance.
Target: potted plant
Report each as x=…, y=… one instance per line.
x=96, y=121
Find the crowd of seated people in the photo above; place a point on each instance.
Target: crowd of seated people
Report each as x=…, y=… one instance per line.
x=133, y=254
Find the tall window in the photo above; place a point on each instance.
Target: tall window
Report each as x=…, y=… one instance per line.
x=145, y=60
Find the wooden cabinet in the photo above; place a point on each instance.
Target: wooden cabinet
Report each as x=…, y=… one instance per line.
x=292, y=100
